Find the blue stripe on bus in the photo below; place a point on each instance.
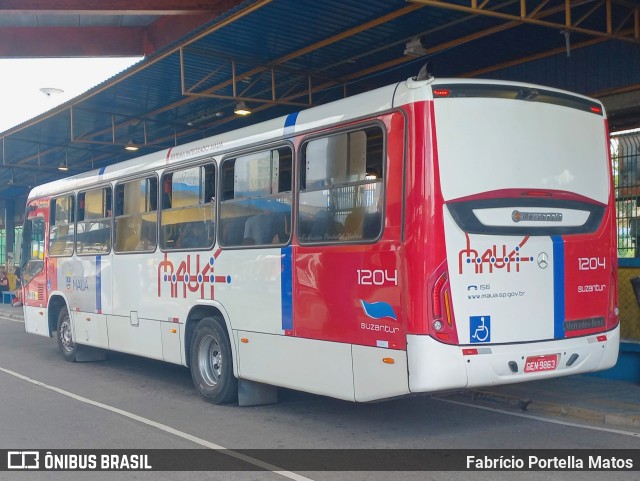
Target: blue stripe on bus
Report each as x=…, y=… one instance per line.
x=286, y=289
x=558, y=287
x=101, y=171
x=99, y=284
x=290, y=123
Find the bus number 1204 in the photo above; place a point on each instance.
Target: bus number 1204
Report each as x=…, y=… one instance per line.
x=591, y=263
x=377, y=277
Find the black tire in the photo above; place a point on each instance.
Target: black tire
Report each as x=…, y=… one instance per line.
x=212, y=363
x=64, y=334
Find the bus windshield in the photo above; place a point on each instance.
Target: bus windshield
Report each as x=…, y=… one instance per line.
x=32, y=248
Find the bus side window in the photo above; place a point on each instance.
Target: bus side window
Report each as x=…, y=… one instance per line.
x=93, y=235
x=187, y=218
x=136, y=215
x=341, y=191
x=257, y=189
x=61, y=226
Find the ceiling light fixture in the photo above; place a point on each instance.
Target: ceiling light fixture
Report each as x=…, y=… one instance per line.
x=131, y=146
x=415, y=48
x=64, y=166
x=51, y=91
x=242, y=109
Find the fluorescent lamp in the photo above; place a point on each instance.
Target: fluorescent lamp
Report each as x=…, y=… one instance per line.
x=131, y=146
x=242, y=109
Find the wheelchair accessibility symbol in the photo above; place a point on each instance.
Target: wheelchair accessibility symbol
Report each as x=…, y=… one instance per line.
x=480, y=328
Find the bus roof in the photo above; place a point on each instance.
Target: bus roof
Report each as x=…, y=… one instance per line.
x=357, y=106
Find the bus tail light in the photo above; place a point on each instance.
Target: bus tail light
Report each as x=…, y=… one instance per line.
x=442, y=325
x=441, y=92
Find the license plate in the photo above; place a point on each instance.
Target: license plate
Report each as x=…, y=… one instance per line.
x=541, y=363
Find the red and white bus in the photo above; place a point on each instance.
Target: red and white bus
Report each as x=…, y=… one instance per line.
x=429, y=235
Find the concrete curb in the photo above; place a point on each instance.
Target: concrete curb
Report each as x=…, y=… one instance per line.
x=591, y=415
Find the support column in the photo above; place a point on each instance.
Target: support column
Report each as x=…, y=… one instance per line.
x=10, y=232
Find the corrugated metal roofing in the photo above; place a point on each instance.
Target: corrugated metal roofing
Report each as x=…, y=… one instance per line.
x=336, y=46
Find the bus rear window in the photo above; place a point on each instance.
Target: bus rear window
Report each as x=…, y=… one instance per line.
x=516, y=92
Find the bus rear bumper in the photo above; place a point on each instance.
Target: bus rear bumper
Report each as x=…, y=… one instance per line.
x=434, y=366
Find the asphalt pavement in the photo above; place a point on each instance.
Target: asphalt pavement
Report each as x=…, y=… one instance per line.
x=582, y=398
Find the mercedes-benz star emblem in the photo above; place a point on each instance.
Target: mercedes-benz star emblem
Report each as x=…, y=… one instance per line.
x=543, y=260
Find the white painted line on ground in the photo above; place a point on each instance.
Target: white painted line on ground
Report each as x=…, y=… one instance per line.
x=276, y=469
x=12, y=319
x=539, y=418
x=162, y=427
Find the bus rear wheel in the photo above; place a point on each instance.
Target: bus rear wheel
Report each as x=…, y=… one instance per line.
x=67, y=347
x=212, y=364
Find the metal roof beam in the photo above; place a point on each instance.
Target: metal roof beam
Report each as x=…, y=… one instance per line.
x=269, y=97
x=429, y=51
x=112, y=7
x=323, y=43
x=238, y=15
x=310, y=48
x=132, y=71
x=380, y=67
x=166, y=30
x=535, y=13
x=523, y=17
x=534, y=57
x=454, y=43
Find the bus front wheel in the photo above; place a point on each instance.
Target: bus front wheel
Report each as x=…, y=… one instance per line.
x=211, y=363
x=66, y=345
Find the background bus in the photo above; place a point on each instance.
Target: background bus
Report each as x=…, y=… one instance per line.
x=429, y=235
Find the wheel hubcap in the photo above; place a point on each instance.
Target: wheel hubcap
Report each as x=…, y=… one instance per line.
x=65, y=335
x=210, y=360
